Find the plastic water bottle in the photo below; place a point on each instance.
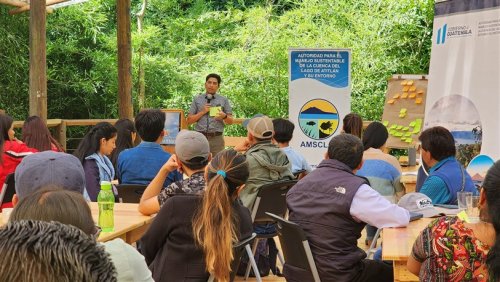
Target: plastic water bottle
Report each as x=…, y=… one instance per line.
x=106, y=202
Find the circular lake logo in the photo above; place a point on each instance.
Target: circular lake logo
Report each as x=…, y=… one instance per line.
x=318, y=119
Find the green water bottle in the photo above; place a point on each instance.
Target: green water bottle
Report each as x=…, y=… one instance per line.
x=106, y=202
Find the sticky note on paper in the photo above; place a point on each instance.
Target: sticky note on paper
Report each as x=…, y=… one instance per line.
x=399, y=127
x=405, y=128
x=403, y=111
x=420, y=92
x=409, y=140
x=409, y=82
x=385, y=123
x=403, y=82
x=408, y=134
x=418, y=101
x=404, y=96
x=398, y=134
x=393, y=126
x=391, y=101
x=412, y=124
x=405, y=89
x=395, y=96
x=403, y=138
x=214, y=111
x=412, y=88
x=412, y=95
x=463, y=216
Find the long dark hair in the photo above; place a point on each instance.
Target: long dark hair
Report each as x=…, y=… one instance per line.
x=125, y=128
x=5, y=124
x=90, y=143
x=375, y=136
x=36, y=135
x=353, y=124
x=491, y=186
x=214, y=224
x=53, y=203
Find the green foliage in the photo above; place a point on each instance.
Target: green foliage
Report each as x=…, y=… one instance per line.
x=246, y=42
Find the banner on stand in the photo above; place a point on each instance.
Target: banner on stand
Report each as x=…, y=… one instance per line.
x=463, y=92
x=319, y=97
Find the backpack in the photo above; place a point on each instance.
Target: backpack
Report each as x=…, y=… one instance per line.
x=265, y=258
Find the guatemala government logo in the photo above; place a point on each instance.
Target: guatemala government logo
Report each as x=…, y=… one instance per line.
x=318, y=119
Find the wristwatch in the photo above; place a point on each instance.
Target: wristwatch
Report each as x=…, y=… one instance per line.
x=225, y=116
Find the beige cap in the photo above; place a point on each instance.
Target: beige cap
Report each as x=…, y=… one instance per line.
x=191, y=144
x=260, y=126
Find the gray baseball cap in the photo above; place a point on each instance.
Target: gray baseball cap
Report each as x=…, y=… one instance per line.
x=260, y=126
x=419, y=203
x=191, y=144
x=46, y=168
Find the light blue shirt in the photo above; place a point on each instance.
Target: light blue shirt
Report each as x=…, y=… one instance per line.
x=297, y=160
x=435, y=188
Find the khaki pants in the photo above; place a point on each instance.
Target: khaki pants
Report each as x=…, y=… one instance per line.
x=216, y=144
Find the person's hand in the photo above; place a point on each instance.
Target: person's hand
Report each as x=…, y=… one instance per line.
x=220, y=116
x=243, y=146
x=206, y=109
x=171, y=164
x=17, y=140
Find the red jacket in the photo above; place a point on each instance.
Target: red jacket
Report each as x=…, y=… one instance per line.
x=13, y=154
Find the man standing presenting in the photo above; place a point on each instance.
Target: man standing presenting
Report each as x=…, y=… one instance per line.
x=211, y=112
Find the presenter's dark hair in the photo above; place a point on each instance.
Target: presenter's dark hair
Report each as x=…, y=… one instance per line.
x=353, y=124
x=214, y=75
x=50, y=251
x=347, y=149
x=283, y=130
x=439, y=142
x=491, y=187
x=150, y=124
x=375, y=136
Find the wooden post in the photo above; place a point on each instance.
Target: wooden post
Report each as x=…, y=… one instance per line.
x=38, y=61
x=125, y=107
x=61, y=134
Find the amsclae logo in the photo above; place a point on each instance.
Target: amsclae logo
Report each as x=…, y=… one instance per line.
x=441, y=35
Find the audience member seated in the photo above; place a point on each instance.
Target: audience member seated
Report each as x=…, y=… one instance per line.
x=446, y=175
x=35, y=134
x=55, y=203
x=51, y=251
x=381, y=169
x=267, y=163
x=93, y=153
x=13, y=150
x=450, y=249
x=333, y=205
x=140, y=165
x=283, y=133
x=192, y=154
x=192, y=236
x=48, y=168
x=352, y=124
x=125, y=138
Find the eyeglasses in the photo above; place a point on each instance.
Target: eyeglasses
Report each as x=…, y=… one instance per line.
x=97, y=232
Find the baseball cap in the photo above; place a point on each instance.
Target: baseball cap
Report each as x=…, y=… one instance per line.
x=44, y=168
x=191, y=144
x=260, y=126
x=419, y=203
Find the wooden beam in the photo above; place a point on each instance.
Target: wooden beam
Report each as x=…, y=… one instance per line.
x=15, y=3
x=125, y=107
x=38, y=60
x=27, y=7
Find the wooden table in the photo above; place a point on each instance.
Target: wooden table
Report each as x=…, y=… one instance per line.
x=130, y=224
x=398, y=243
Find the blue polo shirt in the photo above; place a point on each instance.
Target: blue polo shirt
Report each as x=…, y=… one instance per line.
x=140, y=165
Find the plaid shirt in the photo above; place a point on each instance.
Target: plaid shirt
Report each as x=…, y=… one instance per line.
x=192, y=185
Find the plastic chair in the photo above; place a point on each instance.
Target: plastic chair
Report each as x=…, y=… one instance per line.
x=8, y=189
x=130, y=193
x=238, y=249
x=270, y=198
x=296, y=249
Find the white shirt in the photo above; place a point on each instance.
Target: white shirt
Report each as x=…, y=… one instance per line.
x=370, y=207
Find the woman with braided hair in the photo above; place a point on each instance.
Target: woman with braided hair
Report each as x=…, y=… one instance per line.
x=192, y=235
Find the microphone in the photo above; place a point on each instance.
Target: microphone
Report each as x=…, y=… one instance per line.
x=209, y=98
